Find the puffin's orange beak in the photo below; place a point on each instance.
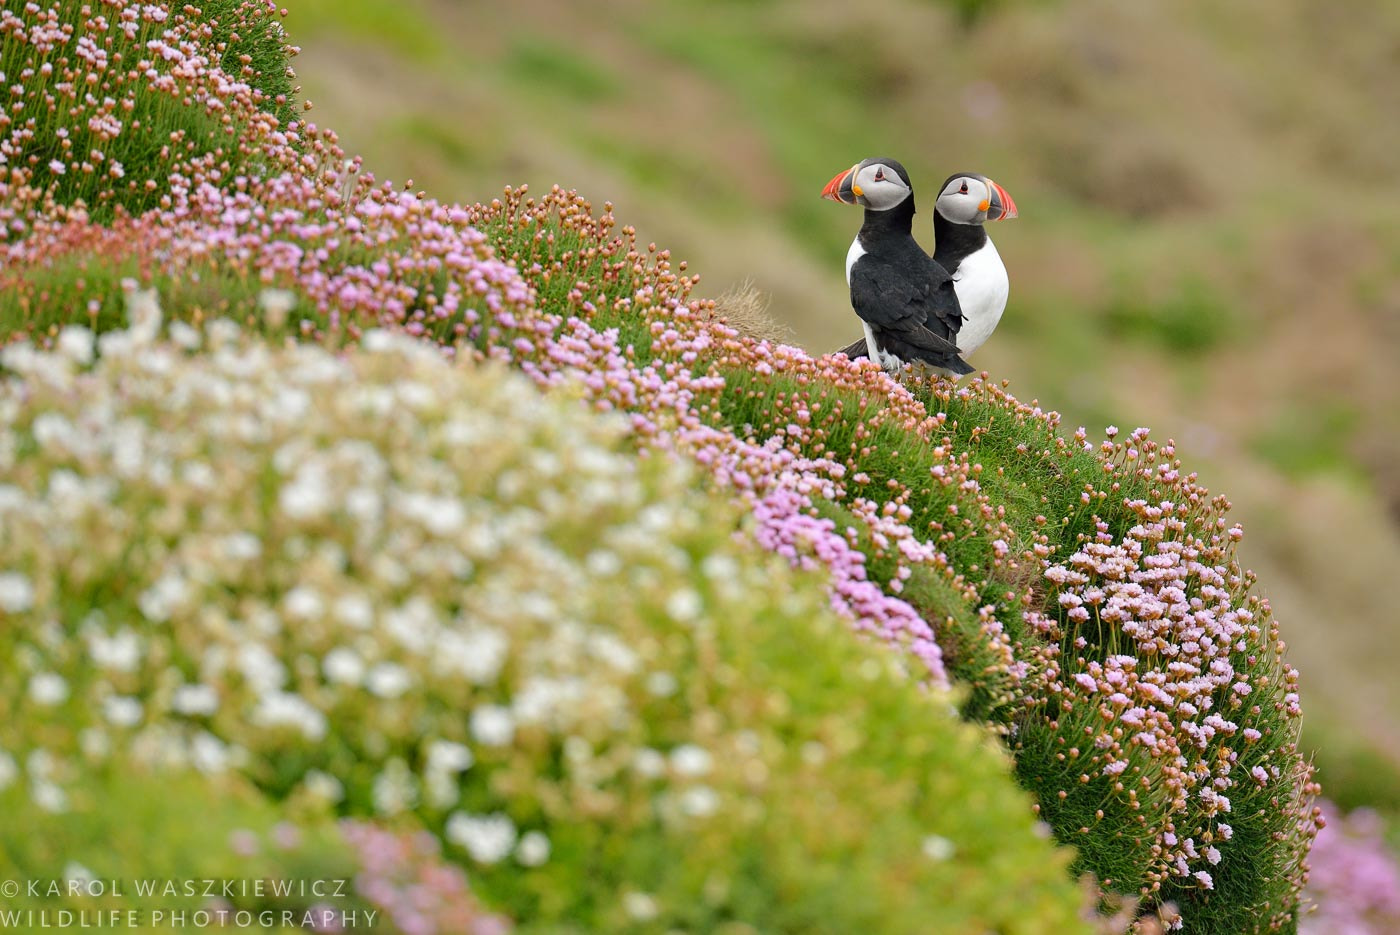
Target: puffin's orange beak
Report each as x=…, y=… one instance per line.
x=1002, y=207
x=840, y=188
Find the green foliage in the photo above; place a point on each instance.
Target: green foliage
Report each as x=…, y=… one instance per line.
x=117, y=149
x=1193, y=320
x=129, y=823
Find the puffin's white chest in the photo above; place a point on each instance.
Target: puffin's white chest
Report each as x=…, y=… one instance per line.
x=853, y=254
x=982, y=287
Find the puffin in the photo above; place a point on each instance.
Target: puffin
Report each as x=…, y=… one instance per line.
x=905, y=300
x=967, y=201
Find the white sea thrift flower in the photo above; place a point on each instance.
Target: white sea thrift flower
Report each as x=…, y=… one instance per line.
x=684, y=605
x=395, y=789
x=144, y=315
x=476, y=654
x=263, y=671
x=48, y=688
x=16, y=593
x=488, y=839
x=662, y=684
x=121, y=710
x=699, y=801
x=76, y=343
x=937, y=847
x=48, y=796
x=75, y=872
x=533, y=849
x=303, y=603
x=194, y=700
x=640, y=907
x=208, y=753
x=343, y=665
x=689, y=760
x=445, y=761
x=323, y=786
x=276, y=305
x=120, y=652
x=354, y=610
x=281, y=709
x=389, y=680
x=649, y=763
x=163, y=598
x=493, y=725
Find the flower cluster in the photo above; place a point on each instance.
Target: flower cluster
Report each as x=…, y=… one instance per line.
x=1355, y=879
x=1165, y=688
x=404, y=876
x=411, y=588
x=125, y=103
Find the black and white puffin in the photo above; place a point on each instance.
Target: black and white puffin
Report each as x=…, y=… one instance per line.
x=905, y=299
x=967, y=201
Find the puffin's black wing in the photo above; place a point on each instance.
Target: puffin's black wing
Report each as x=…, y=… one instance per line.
x=899, y=307
x=943, y=313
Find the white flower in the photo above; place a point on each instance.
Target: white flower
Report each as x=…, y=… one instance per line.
x=690, y=760
x=937, y=847
x=447, y=756
x=208, y=753
x=388, y=680
x=76, y=343
x=699, y=801
x=493, y=725
x=303, y=603
x=197, y=699
x=355, y=611
x=122, y=710
x=533, y=849
x=49, y=796
x=488, y=838
x=640, y=906
x=648, y=763
x=262, y=670
x=343, y=665
x=395, y=789
x=48, y=688
x=662, y=684
x=121, y=651
x=143, y=314
x=77, y=873
x=684, y=605
x=8, y=769
x=281, y=709
x=276, y=305
x=476, y=654
x=323, y=786
x=16, y=593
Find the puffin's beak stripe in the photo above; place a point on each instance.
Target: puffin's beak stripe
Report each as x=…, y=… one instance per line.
x=1008, y=206
x=840, y=188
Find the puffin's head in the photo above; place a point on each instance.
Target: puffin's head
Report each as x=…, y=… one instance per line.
x=878, y=184
x=969, y=198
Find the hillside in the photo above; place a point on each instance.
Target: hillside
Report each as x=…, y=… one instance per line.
x=1205, y=243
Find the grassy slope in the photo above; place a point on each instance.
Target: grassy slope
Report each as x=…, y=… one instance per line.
x=1144, y=255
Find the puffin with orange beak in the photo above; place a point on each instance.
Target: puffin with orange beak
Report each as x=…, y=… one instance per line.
x=905, y=300
x=967, y=201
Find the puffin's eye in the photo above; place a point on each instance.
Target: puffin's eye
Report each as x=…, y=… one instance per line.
x=963, y=190
x=879, y=175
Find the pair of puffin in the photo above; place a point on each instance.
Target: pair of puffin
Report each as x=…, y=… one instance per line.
x=915, y=308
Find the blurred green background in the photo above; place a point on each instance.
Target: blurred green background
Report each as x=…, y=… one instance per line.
x=1208, y=241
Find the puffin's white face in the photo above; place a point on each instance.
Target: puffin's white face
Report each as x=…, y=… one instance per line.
x=872, y=184
x=974, y=199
